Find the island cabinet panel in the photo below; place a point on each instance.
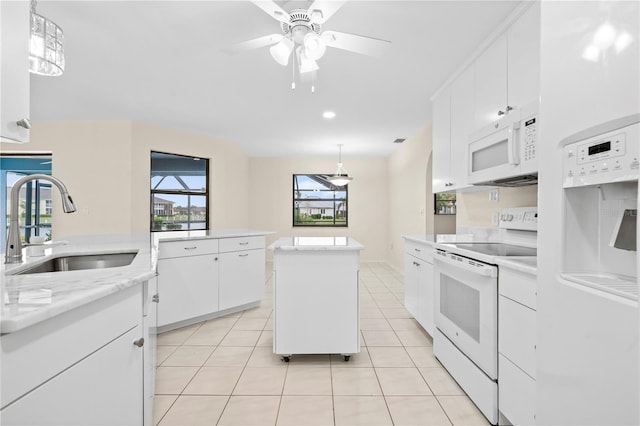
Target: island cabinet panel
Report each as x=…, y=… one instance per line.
x=104, y=388
x=316, y=302
x=84, y=366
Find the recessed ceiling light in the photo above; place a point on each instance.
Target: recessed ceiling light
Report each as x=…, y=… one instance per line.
x=329, y=115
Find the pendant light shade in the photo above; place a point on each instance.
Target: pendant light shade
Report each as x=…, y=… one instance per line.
x=341, y=177
x=46, y=48
x=281, y=51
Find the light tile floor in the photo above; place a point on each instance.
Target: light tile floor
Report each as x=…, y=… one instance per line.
x=223, y=371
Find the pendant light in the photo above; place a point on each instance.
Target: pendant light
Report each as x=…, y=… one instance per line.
x=341, y=177
x=46, y=50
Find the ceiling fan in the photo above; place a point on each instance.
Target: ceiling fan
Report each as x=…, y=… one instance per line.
x=302, y=36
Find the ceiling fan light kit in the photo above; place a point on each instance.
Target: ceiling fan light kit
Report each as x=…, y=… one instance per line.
x=301, y=34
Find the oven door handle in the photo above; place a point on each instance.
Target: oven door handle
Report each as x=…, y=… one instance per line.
x=466, y=264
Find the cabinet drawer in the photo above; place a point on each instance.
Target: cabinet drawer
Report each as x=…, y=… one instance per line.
x=169, y=249
x=241, y=243
x=421, y=251
x=517, y=334
x=518, y=286
x=517, y=393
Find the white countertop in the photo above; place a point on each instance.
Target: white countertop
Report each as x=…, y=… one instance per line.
x=526, y=264
x=32, y=298
x=439, y=238
x=316, y=243
x=210, y=234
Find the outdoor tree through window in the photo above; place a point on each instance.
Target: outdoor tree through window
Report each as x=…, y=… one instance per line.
x=179, y=192
x=317, y=202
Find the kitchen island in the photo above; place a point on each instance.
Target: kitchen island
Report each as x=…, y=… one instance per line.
x=316, y=296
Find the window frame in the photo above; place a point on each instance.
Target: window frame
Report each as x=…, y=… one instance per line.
x=157, y=193
x=344, y=188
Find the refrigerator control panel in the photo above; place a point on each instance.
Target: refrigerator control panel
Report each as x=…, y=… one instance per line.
x=608, y=157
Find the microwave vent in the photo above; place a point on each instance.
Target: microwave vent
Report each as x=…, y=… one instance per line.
x=514, y=181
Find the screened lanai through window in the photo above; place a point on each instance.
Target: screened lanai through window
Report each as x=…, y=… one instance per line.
x=179, y=192
x=317, y=202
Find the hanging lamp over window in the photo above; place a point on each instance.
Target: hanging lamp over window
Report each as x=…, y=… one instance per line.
x=341, y=177
x=46, y=49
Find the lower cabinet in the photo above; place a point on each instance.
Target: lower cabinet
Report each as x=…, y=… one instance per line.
x=188, y=287
x=517, y=346
x=418, y=270
x=201, y=277
x=83, y=367
x=105, y=388
x=242, y=278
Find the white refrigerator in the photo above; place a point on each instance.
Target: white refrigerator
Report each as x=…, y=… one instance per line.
x=588, y=337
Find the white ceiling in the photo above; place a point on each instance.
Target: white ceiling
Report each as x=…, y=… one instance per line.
x=161, y=62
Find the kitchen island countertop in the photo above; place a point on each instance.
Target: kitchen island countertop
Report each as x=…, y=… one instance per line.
x=316, y=243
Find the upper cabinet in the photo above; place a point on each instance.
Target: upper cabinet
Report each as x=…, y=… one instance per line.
x=504, y=76
x=508, y=71
x=14, y=71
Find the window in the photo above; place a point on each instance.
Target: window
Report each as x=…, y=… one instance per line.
x=317, y=202
x=179, y=192
x=444, y=203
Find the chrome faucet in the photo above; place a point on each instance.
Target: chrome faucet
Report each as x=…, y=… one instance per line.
x=13, y=253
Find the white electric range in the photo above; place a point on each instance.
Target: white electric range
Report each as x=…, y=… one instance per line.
x=466, y=305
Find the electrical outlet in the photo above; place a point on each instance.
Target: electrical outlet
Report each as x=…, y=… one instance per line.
x=495, y=218
x=494, y=195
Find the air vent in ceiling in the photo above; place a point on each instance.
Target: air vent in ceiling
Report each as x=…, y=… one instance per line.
x=399, y=140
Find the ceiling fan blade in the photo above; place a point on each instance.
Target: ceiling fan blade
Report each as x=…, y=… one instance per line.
x=255, y=43
x=355, y=43
x=273, y=10
x=321, y=10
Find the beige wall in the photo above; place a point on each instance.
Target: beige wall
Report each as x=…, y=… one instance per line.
x=271, y=197
x=106, y=167
x=410, y=197
x=475, y=208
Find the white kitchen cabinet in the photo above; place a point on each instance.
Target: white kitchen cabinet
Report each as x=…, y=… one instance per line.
x=508, y=71
x=84, y=366
x=419, y=283
x=242, y=278
x=462, y=115
x=441, y=131
x=105, y=388
x=187, y=280
x=14, y=71
x=517, y=346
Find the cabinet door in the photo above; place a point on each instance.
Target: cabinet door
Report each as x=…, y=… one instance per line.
x=411, y=284
x=104, y=388
x=14, y=73
x=242, y=278
x=188, y=288
x=425, y=296
x=523, y=58
x=441, y=141
x=462, y=124
x=491, y=82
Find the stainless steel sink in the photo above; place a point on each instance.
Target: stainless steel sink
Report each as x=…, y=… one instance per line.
x=80, y=262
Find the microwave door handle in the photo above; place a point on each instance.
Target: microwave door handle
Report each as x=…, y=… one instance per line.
x=513, y=145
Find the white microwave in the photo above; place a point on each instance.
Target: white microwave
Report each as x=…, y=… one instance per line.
x=505, y=153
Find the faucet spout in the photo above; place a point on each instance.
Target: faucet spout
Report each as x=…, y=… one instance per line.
x=13, y=253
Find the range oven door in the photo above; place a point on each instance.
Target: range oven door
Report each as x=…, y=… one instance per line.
x=466, y=307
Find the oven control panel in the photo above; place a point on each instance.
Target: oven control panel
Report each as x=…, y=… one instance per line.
x=519, y=218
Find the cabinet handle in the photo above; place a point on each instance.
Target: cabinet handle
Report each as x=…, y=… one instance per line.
x=191, y=248
x=416, y=249
x=215, y=259
x=245, y=243
x=416, y=263
x=156, y=298
x=25, y=123
x=501, y=112
x=509, y=108
x=139, y=343
x=243, y=255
